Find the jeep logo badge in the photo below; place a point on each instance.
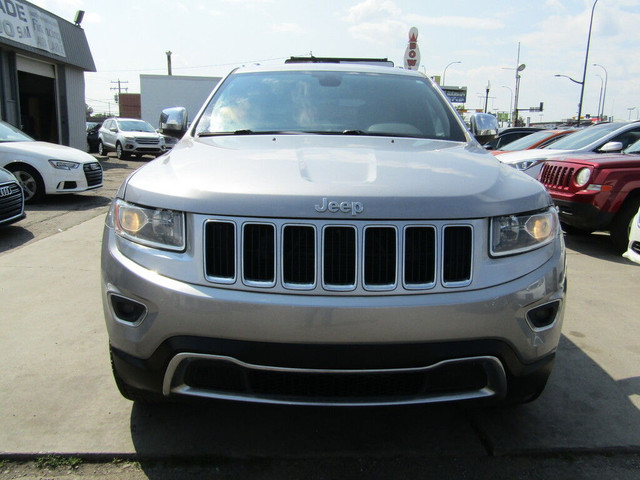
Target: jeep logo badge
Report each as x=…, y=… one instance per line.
x=345, y=207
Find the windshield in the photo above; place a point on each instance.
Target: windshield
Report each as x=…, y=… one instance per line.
x=527, y=141
x=330, y=102
x=135, y=126
x=9, y=133
x=585, y=137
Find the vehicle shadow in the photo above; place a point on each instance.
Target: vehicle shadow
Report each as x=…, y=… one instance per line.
x=582, y=409
x=68, y=202
x=14, y=236
x=596, y=245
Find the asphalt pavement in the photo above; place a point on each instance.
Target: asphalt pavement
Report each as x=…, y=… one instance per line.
x=58, y=395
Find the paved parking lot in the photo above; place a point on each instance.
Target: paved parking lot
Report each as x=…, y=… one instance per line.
x=59, y=396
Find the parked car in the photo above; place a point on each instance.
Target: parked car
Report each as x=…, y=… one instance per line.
x=541, y=139
x=129, y=136
x=46, y=168
x=302, y=244
x=601, y=138
x=11, y=198
x=92, y=136
x=596, y=192
x=633, y=250
x=508, y=135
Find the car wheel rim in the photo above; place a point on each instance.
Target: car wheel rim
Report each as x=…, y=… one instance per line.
x=28, y=184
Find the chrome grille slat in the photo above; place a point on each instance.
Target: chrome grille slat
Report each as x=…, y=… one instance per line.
x=11, y=201
x=319, y=256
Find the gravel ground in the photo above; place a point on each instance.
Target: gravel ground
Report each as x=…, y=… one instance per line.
x=583, y=466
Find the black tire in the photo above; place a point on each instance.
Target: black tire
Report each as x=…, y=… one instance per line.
x=131, y=393
x=120, y=153
x=101, y=150
x=621, y=225
x=30, y=181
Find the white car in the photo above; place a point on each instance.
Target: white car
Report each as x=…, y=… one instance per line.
x=602, y=138
x=46, y=168
x=129, y=136
x=633, y=253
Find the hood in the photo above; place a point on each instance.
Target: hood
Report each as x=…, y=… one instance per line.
x=602, y=160
x=515, y=157
x=293, y=176
x=45, y=150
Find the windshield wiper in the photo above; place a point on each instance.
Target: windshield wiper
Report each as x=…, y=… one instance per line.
x=354, y=132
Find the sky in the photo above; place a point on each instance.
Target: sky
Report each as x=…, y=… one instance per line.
x=210, y=37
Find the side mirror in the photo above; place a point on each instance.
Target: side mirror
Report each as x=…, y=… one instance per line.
x=484, y=127
x=173, y=121
x=611, y=147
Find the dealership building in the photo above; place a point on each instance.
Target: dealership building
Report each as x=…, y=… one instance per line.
x=42, y=63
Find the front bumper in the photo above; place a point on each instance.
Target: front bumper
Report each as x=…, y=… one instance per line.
x=584, y=216
x=87, y=176
x=186, y=337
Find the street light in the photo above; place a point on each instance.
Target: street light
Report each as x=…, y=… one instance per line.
x=631, y=109
x=604, y=93
x=445, y=70
x=600, y=97
x=586, y=60
x=579, y=83
x=520, y=68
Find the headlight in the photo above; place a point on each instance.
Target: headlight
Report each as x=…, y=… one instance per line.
x=154, y=227
x=583, y=176
x=63, y=164
x=527, y=164
x=513, y=234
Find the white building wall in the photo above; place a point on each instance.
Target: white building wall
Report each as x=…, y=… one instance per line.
x=158, y=92
x=76, y=108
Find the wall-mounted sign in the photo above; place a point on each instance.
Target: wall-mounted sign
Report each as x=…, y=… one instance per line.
x=412, y=53
x=25, y=24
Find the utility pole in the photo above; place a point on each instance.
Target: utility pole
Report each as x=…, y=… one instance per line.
x=168, y=52
x=119, y=89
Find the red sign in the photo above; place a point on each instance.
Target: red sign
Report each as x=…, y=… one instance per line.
x=412, y=53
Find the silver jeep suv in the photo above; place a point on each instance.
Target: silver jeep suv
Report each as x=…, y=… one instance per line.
x=331, y=235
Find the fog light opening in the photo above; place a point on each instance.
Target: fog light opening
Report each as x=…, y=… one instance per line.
x=544, y=315
x=127, y=310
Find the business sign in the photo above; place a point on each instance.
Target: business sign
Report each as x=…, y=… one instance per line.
x=412, y=53
x=456, y=94
x=27, y=25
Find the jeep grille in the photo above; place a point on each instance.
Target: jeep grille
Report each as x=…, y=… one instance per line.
x=557, y=177
x=340, y=258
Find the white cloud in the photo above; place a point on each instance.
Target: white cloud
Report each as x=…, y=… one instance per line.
x=372, y=10
x=457, y=22
x=287, y=28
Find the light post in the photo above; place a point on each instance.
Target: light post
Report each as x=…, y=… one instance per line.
x=604, y=93
x=510, y=105
x=586, y=60
x=631, y=109
x=445, y=70
x=600, y=97
x=579, y=83
x=520, y=68
x=486, y=98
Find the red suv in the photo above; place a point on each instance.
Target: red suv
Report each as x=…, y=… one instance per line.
x=596, y=192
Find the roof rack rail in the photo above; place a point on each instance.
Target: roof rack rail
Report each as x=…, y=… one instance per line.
x=366, y=61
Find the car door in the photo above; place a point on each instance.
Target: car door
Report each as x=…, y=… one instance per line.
x=109, y=136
